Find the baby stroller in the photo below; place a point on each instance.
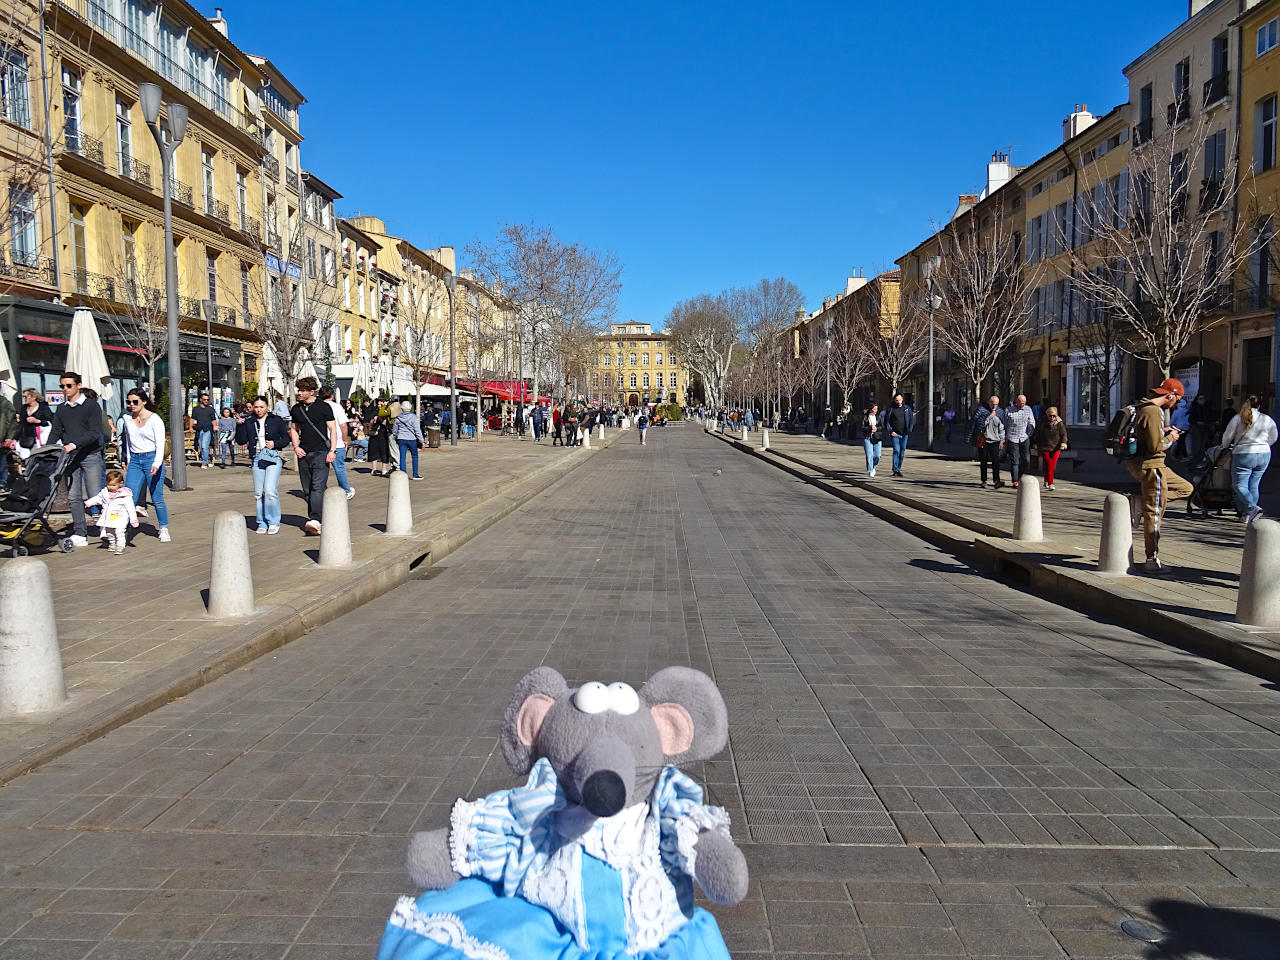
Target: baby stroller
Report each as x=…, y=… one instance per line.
x=24, y=513
x=1211, y=487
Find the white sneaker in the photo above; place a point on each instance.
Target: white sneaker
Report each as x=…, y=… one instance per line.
x=871, y=472
x=164, y=535
x=119, y=548
x=204, y=466
x=274, y=528
x=79, y=541
x=261, y=530
x=1154, y=566
x=351, y=493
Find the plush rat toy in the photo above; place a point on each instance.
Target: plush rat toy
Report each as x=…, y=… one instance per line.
x=595, y=856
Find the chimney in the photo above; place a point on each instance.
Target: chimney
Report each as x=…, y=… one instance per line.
x=218, y=22
x=1079, y=121
x=968, y=198
x=801, y=314
x=998, y=173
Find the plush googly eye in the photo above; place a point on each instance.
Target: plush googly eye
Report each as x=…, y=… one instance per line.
x=592, y=697
x=623, y=699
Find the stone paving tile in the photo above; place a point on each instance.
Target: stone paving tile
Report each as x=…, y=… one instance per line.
x=950, y=769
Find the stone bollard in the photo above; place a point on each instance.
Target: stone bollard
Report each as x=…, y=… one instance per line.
x=230, y=578
x=585, y=437
x=399, y=506
x=1026, y=512
x=600, y=436
x=746, y=437
x=1115, y=553
x=335, y=530
x=1258, y=602
x=30, y=659
x=764, y=438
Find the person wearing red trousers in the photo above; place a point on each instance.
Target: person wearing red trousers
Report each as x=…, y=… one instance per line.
x=1050, y=440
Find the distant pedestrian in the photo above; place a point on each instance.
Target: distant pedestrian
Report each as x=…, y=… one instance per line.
x=557, y=427
x=899, y=420
x=315, y=436
x=118, y=512
x=226, y=438
x=1019, y=427
x=407, y=433
x=948, y=420
x=203, y=420
x=642, y=424
x=570, y=425
x=1249, y=436
x=1050, y=440
x=35, y=418
x=8, y=436
x=143, y=440
x=340, y=451
x=378, y=429
x=1159, y=485
x=267, y=435
x=77, y=425
x=987, y=437
x=872, y=429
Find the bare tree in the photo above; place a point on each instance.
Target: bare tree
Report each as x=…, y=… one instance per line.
x=704, y=330
x=979, y=290
x=280, y=311
x=140, y=317
x=422, y=346
x=1156, y=255
x=851, y=361
x=790, y=372
x=896, y=340
x=766, y=308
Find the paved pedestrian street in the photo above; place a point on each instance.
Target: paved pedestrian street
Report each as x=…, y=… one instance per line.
x=923, y=762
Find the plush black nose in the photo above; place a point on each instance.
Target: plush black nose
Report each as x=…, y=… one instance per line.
x=604, y=793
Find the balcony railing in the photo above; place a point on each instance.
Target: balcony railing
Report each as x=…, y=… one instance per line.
x=1178, y=111
x=220, y=314
x=271, y=166
x=291, y=179
x=135, y=170
x=182, y=192
x=346, y=258
x=189, y=307
x=140, y=296
x=94, y=285
x=218, y=210
x=1142, y=131
x=83, y=146
x=30, y=267
x=273, y=241
x=1217, y=87
x=1212, y=194
x=251, y=226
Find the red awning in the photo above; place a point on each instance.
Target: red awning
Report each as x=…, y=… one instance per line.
x=106, y=346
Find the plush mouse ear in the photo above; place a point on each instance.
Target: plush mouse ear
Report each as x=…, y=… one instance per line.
x=533, y=699
x=690, y=713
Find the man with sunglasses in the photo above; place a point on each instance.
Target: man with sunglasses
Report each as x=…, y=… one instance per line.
x=77, y=425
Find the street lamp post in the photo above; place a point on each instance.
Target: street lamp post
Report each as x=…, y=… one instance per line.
x=149, y=97
x=450, y=284
x=828, y=373
x=929, y=288
x=210, y=311
x=777, y=407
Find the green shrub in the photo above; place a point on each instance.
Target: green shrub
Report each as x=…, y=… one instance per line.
x=669, y=410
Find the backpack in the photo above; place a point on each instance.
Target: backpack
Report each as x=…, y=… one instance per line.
x=643, y=422
x=1122, y=433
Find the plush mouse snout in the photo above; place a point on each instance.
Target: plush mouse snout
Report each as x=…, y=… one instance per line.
x=605, y=774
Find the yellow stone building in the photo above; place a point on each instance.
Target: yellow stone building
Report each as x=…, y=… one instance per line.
x=106, y=210
x=636, y=366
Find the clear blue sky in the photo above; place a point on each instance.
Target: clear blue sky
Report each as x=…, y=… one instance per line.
x=707, y=144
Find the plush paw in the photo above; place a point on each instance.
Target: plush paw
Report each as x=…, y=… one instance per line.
x=428, y=861
x=720, y=868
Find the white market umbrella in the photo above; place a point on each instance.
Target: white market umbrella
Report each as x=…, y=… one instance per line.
x=363, y=380
x=307, y=369
x=85, y=355
x=272, y=375
x=8, y=376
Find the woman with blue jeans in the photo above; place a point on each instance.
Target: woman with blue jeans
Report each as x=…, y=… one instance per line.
x=1250, y=436
x=265, y=434
x=144, y=440
x=872, y=437
x=407, y=433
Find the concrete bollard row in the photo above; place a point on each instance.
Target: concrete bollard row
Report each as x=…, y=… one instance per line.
x=1258, y=602
x=399, y=506
x=30, y=658
x=746, y=437
x=335, y=530
x=764, y=438
x=600, y=436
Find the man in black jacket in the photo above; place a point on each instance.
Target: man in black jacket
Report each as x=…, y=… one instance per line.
x=77, y=425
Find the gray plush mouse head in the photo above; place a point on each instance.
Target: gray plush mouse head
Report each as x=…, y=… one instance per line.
x=608, y=744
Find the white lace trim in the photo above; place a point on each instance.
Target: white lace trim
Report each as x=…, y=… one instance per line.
x=689, y=826
x=462, y=835
x=444, y=928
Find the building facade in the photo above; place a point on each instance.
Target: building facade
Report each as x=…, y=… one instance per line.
x=635, y=366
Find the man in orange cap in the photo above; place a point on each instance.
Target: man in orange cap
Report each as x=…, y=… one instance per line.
x=1159, y=484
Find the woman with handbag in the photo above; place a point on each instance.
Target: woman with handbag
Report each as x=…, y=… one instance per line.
x=268, y=435
x=144, y=440
x=1050, y=440
x=872, y=437
x=1249, y=436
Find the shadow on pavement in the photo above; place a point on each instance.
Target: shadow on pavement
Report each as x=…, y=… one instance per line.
x=1192, y=929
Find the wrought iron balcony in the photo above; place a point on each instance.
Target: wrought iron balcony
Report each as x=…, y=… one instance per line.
x=218, y=210
x=1217, y=87
x=273, y=242
x=30, y=267
x=291, y=179
x=1142, y=131
x=84, y=146
x=1212, y=194
x=251, y=226
x=134, y=169
x=94, y=285
x=140, y=296
x=346, y=258
x=1178, y=111
x=189, y=307
x=182, y=192
x=271, y=166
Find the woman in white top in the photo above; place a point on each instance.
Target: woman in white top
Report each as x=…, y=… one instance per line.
x=1249, y=435
x=144, y=436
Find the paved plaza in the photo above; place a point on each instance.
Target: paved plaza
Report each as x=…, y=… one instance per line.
x=923, y=762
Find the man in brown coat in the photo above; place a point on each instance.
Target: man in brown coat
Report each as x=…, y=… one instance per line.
x=1159, y=485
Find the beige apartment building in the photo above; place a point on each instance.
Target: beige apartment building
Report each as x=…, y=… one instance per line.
x=636, y=366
